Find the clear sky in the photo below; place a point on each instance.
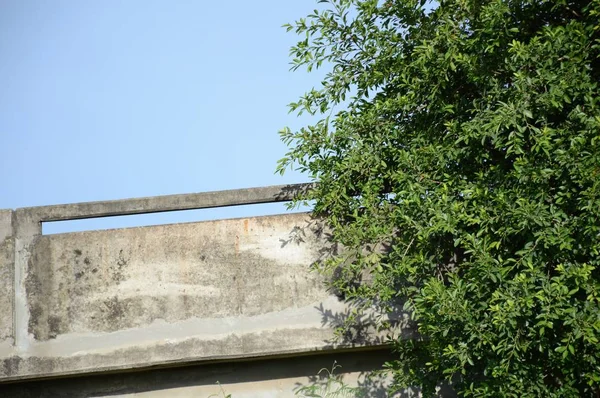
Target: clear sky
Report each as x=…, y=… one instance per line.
x=113, y=99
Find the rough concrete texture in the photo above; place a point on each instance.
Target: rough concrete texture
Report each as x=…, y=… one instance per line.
x=7, y=257
x=276, y=378
x=105, y=281
x=134, y=298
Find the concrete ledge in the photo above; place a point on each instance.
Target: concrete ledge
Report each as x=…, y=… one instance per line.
x=272, y=377
x=157, y=204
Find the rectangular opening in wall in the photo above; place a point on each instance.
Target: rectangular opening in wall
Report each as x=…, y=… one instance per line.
x=168, y=217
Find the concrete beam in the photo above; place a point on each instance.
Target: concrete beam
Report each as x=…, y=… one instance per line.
x=157, y=204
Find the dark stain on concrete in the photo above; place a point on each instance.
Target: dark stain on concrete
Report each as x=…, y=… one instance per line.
x=54, y=326
x=11, y=365
x=118, y=272
x=115, y=313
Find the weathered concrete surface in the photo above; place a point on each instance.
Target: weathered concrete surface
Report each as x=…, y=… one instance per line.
x=105, y=281
x=275, y=378
x=134, y=298
x=7, y=259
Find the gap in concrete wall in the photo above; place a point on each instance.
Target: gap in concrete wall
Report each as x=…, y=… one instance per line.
x=169, y=217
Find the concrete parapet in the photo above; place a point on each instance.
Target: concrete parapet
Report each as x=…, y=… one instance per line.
x=134, y=298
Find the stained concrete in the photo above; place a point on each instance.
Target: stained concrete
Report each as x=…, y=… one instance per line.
x=105, y=281
x=133, y=298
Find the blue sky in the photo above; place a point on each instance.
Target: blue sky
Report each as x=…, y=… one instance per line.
x=117, y=99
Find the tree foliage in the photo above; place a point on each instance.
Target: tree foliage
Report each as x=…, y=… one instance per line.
x=464, y=137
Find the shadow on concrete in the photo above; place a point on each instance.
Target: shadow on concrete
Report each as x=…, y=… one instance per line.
x=191, y=378
x=294, y=191
x=360, y=324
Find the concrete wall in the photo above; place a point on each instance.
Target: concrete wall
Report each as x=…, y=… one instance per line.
x=219, y=291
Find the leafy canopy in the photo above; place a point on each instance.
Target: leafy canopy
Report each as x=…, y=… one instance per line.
x=464, y=136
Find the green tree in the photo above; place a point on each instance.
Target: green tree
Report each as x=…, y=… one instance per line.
x=463, y=136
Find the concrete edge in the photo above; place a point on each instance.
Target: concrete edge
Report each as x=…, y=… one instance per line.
x=175, y=363
x=157, y=204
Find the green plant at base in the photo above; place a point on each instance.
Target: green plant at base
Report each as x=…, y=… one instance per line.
x=221, y=393
x=333, y=387
x=464, y=138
